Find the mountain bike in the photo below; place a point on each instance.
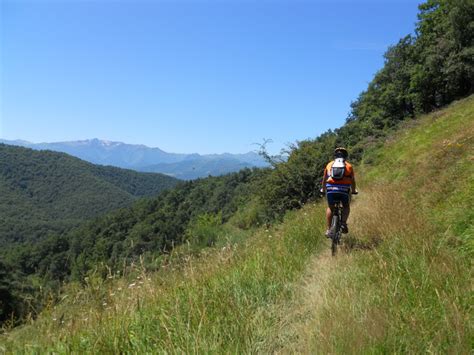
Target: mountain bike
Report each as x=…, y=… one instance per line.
x=336, y=224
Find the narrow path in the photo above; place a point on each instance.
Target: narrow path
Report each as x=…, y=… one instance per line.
x=299, y=319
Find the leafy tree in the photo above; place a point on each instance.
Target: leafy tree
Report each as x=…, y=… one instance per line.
x=420, y=73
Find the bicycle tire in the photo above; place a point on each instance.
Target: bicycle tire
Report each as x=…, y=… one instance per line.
x=335, y=228
x=335, y=224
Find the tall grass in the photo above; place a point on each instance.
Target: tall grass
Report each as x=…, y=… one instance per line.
x=219, y=301
x=412, y=293
x=406, y=284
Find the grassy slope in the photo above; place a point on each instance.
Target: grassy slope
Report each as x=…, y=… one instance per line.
x=409, y=288
x=222, y=300
x=405, y=286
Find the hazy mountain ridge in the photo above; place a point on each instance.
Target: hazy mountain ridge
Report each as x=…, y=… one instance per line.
x=143, y=158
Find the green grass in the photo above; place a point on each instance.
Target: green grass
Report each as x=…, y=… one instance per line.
x=220, y=301
x=434, y=163
x=411, y=291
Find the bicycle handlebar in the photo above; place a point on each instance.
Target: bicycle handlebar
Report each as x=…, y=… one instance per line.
x=322, y=193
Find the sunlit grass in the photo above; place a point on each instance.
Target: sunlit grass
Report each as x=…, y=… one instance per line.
x=406, y=284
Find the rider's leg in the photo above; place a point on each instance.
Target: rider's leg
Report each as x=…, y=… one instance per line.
x=329, y=212
x=345, y=213
x=346, y=210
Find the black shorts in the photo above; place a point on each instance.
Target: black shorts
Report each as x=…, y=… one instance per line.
x=334, y=197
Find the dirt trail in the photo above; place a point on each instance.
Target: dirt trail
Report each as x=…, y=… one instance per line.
x=299, y=320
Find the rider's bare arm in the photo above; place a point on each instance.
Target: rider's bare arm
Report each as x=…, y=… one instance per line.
x=323, y=183
x=353, y=185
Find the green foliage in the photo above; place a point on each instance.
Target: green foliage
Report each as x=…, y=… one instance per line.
x=445, y=69
x=14, y=288
x=420, y=73
x=52, y=193
x=45, y=194
x=424, y=72
x=295, y=182
x=113, y=242
x=249, y=215
x=204, y=230
x=155, y=226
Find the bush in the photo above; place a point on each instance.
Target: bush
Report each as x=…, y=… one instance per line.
x=204, y=230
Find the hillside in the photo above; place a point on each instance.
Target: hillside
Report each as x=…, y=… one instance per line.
x=44, y=250
x=44, y=192
x=404, y=285
x=401, y=285
x=151, y=228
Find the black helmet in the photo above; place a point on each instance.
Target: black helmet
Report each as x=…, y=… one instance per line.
x=341, y=152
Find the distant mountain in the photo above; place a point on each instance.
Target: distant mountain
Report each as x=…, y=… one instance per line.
x=43, y=191
x=143, y=158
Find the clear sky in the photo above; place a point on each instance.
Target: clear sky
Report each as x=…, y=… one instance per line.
x=189, y=76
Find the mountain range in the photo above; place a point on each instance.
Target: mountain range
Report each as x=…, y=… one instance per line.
x=142, y=158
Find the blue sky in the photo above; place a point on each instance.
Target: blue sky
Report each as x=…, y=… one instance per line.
x=189, y=76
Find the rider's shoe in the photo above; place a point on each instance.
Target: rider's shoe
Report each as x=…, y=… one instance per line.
x=328, y=233
x=344, y=228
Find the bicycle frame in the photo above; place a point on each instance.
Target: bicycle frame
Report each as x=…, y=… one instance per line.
x=336, y=226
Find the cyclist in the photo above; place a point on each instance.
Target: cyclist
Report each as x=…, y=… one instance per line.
x=338, y=184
